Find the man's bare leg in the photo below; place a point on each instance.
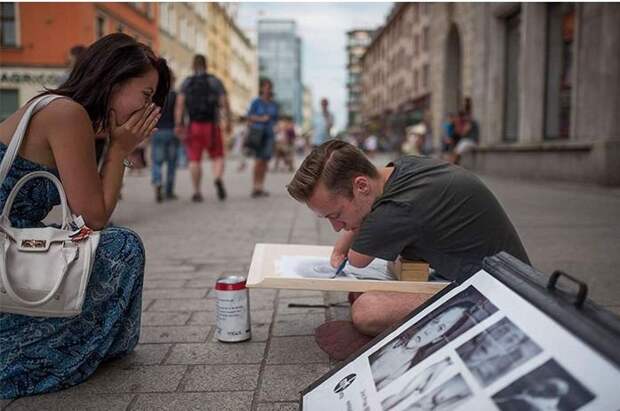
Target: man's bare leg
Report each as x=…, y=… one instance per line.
x=217, y=165
x=375, y=311
x=195, y=169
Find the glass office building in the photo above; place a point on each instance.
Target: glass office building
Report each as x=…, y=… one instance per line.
x=279, y=58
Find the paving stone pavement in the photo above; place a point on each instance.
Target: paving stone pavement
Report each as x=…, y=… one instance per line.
x=179, y=365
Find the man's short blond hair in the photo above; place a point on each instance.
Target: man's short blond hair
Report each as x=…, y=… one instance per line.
x=335, y=163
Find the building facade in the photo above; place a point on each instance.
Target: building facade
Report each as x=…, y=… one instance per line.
x=279, y=59
x=357, y=42
x=396, y=73
x=182, y=34
x=543, y=82
x=243, y=72
x=219, y=24
x=35, y=41
x=453, y=54
x=187, y=29
x=308, y=111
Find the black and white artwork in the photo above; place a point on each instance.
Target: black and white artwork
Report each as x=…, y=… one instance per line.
x=423, y=338
x=319, y=267
x=419, y=383
x=449, y=395
x=548, y=387
x=497, y=350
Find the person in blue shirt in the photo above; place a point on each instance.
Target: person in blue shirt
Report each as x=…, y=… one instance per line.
x=263, y=115
x=323, y=123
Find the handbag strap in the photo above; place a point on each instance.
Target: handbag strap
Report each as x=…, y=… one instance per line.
x=20, y=132
x=9, y=157
x=67, y=216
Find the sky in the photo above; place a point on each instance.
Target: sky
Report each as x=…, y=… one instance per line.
x=322, y=28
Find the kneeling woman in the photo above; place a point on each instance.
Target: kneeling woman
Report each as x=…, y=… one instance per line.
x=116, y=88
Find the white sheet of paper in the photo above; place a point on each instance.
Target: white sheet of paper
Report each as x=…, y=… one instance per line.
x=298, y=266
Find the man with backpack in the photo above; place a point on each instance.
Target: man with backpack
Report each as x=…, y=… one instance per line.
x=202, y=96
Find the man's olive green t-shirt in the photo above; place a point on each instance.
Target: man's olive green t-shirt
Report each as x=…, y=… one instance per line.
x=438, y=212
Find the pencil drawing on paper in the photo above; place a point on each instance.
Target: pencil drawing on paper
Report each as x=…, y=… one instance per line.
x=319, y=267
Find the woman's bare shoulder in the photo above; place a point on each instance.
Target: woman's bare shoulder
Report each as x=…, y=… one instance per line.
x=64, y=114
x=66, y=108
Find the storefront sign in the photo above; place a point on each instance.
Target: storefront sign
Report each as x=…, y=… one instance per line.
x=25, y=77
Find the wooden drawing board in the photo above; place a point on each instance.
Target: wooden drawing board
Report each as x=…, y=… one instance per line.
x=263, y=273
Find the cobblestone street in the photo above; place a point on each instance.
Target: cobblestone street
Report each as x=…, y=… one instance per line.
x=180, y=365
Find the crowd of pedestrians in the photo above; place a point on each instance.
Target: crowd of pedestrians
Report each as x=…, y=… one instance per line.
x=194, y=120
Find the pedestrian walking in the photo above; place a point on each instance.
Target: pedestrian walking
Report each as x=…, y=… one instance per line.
x=323, y=124
x=165, y=148
x=371, y=144
x=202, y=96
x=468, y=135
x=414, y=140
x=263, y=115
x=239, y=137
x=448, y=136
x=285, y=141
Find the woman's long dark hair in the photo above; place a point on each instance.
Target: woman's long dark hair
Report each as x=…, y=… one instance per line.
x=109, y=61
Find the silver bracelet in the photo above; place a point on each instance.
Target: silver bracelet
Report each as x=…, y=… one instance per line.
x=127, y=163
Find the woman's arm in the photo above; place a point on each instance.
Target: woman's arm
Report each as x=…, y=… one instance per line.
x=71, y=139
x=253, y=116
x=259, y=119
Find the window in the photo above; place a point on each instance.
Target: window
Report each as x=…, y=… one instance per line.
x=425, y=39
x=560, y=35
x=183, y=28
x=172, y=20
x=148, y=10
x=9, y=102
x=8, y=22
x=416, y=81
x=511, y=89
x=164, y=17
x=416, y=45
x=426, y=77
x=100, y=27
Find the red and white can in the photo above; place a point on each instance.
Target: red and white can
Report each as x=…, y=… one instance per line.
x=232, y=309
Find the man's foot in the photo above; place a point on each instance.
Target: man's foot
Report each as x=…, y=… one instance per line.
x=221, y=191
x=158, y=196
x=339, y=339
x=171, y=196
x=197, y=198
x=259, y=193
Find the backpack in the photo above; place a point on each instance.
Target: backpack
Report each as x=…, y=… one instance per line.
x=201, y=98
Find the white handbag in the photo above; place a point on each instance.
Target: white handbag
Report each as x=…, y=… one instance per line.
x=43, y=271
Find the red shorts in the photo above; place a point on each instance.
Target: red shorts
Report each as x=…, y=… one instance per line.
x=203, y=136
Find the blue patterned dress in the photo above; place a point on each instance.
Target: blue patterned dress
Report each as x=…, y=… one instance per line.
x=40, y=355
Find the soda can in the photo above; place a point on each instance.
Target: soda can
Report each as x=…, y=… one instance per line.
x=232, y=309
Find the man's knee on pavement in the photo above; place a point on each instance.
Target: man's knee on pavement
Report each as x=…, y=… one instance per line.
x=367, y=313
x=375, y=311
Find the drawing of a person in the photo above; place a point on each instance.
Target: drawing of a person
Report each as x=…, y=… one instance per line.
x=445, y=397
x=544, y=396
x=413, y=345
x=419, y=384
